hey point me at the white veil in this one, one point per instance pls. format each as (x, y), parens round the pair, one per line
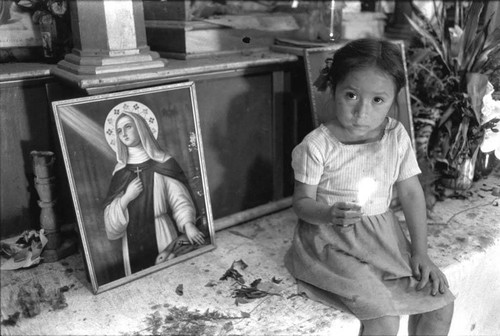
(149, 143)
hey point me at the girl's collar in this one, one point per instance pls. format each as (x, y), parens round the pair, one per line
(380, 137)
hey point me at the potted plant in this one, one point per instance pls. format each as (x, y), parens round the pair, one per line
(449, 73)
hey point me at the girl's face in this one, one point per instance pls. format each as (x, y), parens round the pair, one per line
(127, 132)
(362, 102)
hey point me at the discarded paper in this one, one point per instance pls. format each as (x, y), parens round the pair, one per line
(25, 251)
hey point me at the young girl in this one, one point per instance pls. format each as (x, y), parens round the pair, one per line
(351, 255)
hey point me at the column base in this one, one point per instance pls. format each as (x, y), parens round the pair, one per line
(98, 65)
(86, 72)
(68, 247)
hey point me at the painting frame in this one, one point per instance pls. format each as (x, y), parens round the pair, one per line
(17, 29)
(115, 254)
(315, 58)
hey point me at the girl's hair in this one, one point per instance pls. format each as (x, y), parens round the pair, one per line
(367, 53)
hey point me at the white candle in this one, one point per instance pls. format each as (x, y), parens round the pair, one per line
(366, 187)
(332, 18)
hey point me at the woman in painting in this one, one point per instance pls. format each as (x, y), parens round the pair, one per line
(149, 204)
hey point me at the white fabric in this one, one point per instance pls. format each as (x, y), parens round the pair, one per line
(167, 192)
(321, 159)
(137, 155)
(489, 111)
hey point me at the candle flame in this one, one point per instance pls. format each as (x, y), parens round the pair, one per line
(332, 13)
(366, 187)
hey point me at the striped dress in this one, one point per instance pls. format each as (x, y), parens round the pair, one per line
(364, 270)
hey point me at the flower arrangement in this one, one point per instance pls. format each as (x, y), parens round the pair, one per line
(52, 16)
(42, 8)
(449, 74)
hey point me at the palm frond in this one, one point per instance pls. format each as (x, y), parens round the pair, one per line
(476, 89)
(475, 47)
(440, 30)
(428, 37)
(493, 39)
(472, 22)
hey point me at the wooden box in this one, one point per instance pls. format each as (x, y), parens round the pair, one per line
(172, 31)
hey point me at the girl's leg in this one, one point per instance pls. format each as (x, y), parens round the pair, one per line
(386, 325)
(436, 322)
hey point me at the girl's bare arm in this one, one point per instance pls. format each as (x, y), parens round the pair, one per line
(412, 199)
(307, 208)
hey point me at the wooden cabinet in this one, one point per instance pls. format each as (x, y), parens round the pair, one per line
(25, 126)
(247, 118)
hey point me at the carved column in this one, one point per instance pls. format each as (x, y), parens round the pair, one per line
(109, 38)
(58, 246)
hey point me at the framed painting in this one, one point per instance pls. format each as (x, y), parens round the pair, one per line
(16, 27)
(317, 58)
(137, 176)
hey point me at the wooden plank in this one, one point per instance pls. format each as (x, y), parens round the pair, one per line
(277, 126)
(251, 214)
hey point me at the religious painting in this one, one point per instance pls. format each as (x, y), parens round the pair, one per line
(137, 176)
(318, 58)
(16, 27)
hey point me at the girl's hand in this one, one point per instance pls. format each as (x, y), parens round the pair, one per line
(426, 271)
(194, 235)
(133, 190)
(345, 214)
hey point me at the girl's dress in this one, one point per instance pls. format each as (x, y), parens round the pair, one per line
(364, 269)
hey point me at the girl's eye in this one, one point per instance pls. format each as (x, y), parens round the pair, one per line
(378, 100)
(119, 131)
(351, 95)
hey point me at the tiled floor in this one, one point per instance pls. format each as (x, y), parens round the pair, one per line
(135, 306)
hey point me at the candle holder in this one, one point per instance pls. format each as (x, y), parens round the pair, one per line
(331, 20)
(321, 22)
(57, 246)
(336, 18)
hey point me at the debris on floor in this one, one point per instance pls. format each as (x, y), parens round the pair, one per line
(31, 299)
(182, 321)
(233, 273)
(25, 251)
(243, 293)
(11, 320)
(180, 290)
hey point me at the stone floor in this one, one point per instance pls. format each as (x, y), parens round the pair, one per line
(464, 239)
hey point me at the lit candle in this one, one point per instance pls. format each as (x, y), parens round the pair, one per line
(366, 187)
(332, 19)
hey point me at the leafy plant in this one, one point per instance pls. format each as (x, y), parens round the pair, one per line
(448, 78)
(44, 8)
